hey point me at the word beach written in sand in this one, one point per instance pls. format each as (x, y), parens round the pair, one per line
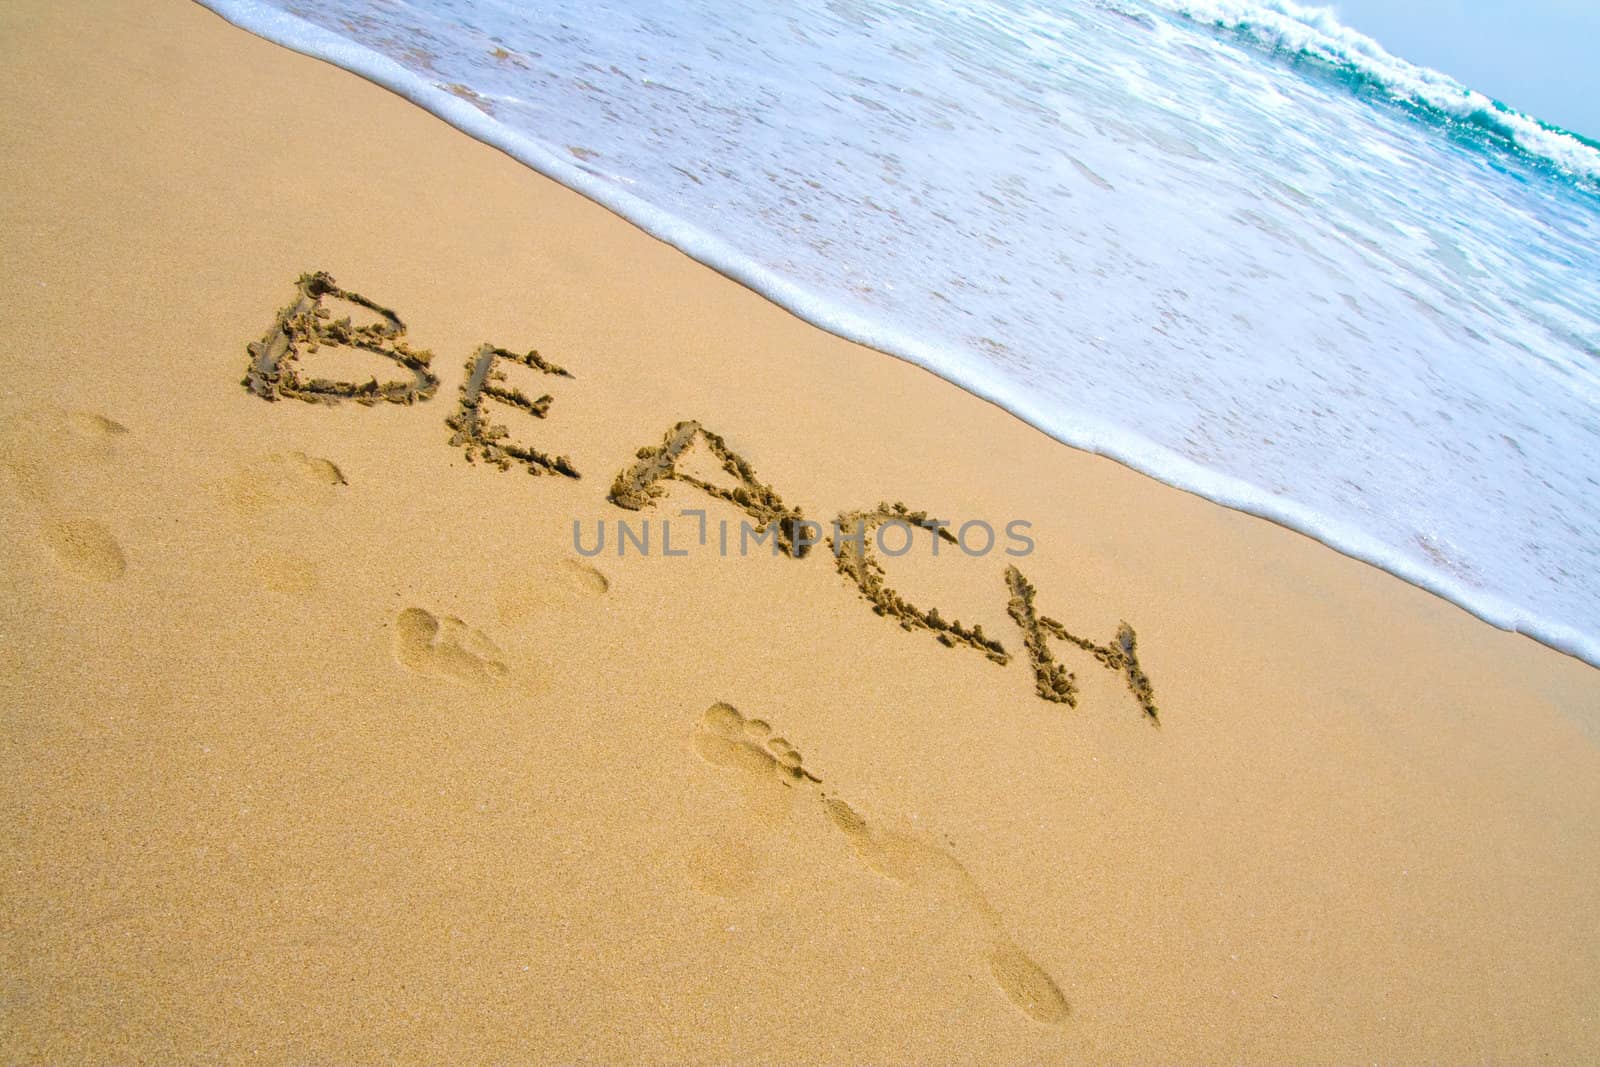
(308, 325)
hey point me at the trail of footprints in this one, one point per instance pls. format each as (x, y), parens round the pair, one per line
(43, 451)
(54, 457)
(774, 777)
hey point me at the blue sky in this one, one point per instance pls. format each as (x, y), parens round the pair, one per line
(1541, 57)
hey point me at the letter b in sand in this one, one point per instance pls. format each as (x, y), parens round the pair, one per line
(307, 325)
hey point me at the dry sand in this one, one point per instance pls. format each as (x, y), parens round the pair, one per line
(321, 744)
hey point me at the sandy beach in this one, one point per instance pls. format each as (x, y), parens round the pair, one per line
(326, 741)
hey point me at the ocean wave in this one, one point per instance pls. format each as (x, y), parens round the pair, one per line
(1315, 35)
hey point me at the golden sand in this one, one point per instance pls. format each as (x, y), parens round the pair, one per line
(322, 743)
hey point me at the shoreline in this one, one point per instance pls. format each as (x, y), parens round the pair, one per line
(1139, 454)
(322, 741)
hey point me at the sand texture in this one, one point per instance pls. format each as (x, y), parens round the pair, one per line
(322, 739)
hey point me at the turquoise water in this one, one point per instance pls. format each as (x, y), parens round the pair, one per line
(1235, 245)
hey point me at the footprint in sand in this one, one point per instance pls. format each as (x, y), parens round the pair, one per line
(728, 739)
(45, 449)
(906, 859)
(48, 453)
(567, 581)
(588, 579)
(772, 774)
(281, 480)
(85, 548)
(726, 864)
(446, 648)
